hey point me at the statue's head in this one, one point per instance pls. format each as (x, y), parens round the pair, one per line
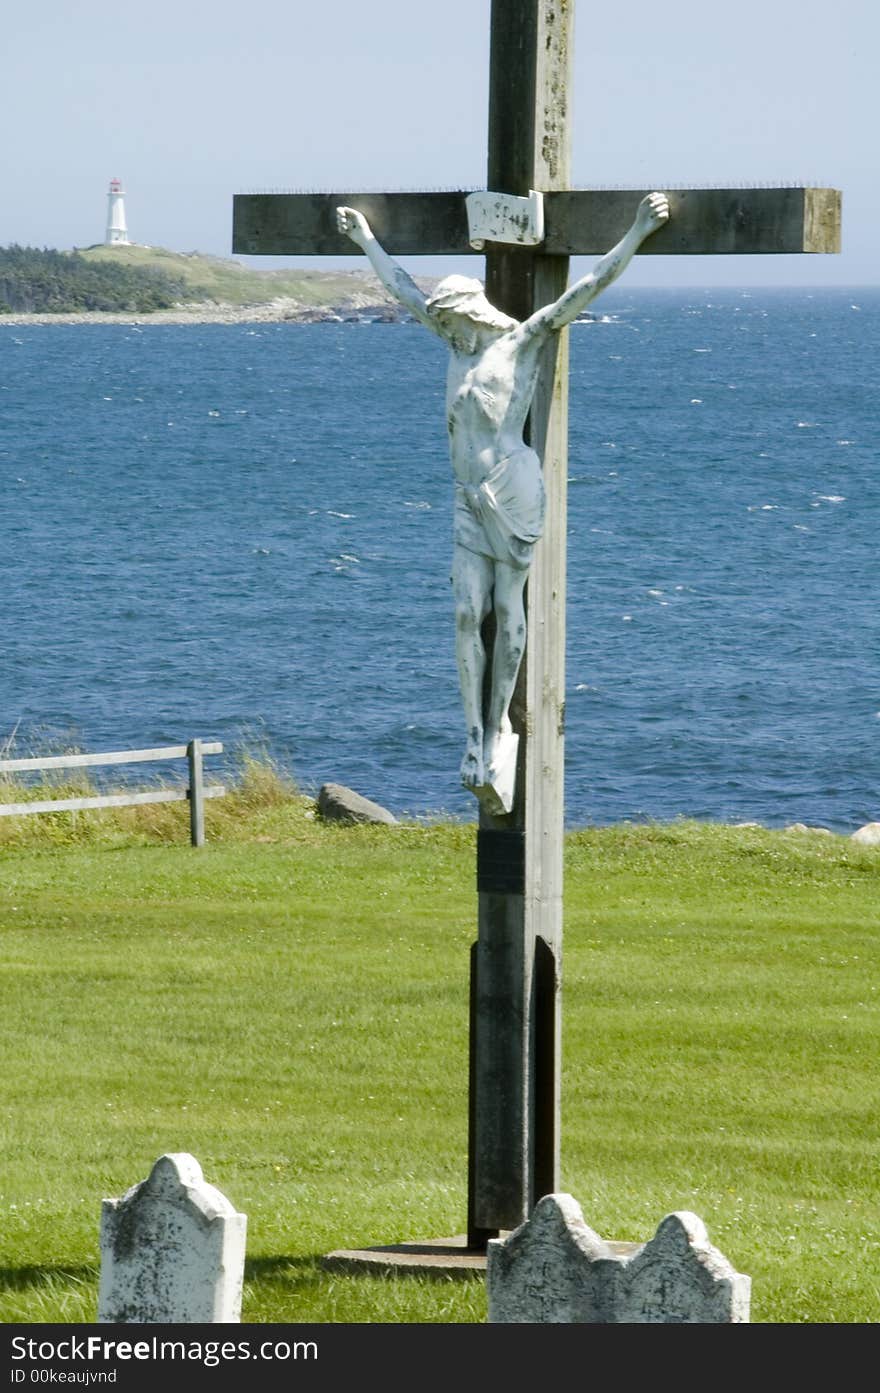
(464, 296)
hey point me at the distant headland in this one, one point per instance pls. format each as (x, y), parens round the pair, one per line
(132, 284)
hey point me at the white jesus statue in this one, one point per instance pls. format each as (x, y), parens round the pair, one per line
(499, 487)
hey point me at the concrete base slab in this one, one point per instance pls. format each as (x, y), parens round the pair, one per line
(435, 1257)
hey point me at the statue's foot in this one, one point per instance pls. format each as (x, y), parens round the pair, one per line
(472, 771)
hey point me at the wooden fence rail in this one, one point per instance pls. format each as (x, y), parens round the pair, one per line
(196, 792)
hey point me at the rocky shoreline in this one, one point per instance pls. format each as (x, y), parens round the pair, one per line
(279, 311)
(338, 803)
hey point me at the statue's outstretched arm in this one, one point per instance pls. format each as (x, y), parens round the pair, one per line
(653, 212)
(393, 277)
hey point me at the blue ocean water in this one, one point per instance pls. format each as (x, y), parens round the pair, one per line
(243, 532)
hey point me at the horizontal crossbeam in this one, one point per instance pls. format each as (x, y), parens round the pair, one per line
(578, 222)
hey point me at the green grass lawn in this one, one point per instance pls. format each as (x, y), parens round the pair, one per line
(289, 1005)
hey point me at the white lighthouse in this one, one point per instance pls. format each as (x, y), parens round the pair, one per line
(117, 232)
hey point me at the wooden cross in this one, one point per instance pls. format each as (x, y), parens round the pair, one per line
(515, 1030)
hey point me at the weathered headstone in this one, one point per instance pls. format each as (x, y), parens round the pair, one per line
(555, 1269)
(172, 1250)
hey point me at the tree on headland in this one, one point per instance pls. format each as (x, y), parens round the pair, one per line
(43, 281)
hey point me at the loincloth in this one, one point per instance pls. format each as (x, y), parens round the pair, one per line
(503, 516)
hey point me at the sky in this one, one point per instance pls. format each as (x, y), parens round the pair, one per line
(190, 102)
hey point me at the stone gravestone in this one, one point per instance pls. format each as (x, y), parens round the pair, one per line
(555, 1269)
(172, 1250)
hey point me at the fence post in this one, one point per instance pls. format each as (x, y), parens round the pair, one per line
(196, 793)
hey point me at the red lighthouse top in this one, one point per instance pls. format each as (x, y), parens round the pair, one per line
(115, 185)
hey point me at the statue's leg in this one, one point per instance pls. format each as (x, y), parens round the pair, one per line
(510, 642)
(472, 581)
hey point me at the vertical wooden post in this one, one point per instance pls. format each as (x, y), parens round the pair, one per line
(516, 962)
(196, 793)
